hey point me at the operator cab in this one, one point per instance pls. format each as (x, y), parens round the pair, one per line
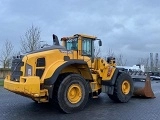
(83, 44)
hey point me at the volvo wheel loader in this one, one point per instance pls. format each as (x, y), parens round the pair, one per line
(68, 74)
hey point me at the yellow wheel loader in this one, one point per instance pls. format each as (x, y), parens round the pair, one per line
(67, 75)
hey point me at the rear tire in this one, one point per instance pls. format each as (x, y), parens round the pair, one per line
(71, 93)
(123, 89)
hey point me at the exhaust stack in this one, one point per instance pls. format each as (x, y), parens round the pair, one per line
(55, 40)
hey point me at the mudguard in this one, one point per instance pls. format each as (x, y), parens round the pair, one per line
(57, 68)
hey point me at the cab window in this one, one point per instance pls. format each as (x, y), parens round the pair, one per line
(72, 44)
(86, 46)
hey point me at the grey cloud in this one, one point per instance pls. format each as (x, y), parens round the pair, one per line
(127, 27)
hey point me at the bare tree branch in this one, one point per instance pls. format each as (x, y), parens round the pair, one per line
(31, 40)
(120, 61)
(6, 54)
(97, 52)
(145, 62)
(109, 53)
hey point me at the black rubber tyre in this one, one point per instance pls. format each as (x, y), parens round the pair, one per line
(36, 102)
(118, 94)
(61, 89)
(112, 97)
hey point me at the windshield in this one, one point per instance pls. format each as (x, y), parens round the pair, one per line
(72, 44)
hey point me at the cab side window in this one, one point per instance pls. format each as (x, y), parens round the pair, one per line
(86, 47)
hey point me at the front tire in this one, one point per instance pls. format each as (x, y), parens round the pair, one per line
(72, 93)
(123, 89)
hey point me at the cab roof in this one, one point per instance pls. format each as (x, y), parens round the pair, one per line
(87, 36)
(76, 35)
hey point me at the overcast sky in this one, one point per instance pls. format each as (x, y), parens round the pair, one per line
(128, 27)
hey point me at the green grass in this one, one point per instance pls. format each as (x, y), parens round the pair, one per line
(1, 82)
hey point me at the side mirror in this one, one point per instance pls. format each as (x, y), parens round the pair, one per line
(100, 43)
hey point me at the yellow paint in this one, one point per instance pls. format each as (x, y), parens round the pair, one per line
(125, 87)
(51, 69)
(30, 85)
(96, 85)
(23, 67)
(74, 93)
(87, 36)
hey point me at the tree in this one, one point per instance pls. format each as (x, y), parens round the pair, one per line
(120, 61)
(31, 40)
(145, 62)
(109, 53)
(97, 51)
(6, 54)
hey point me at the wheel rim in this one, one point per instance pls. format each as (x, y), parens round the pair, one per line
(74, 93)
(125, 87)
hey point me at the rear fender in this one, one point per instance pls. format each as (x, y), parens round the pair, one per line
(54, 71)
(51, 69)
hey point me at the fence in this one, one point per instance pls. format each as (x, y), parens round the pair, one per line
(4, 72)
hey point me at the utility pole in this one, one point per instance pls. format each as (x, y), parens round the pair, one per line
(151, 62)
(156, 62)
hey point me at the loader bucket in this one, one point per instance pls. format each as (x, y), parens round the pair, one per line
(143, 89)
